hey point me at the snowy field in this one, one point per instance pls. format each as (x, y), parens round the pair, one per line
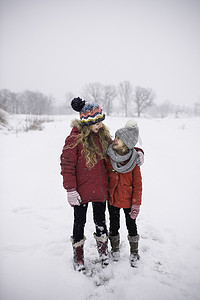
(36, 220)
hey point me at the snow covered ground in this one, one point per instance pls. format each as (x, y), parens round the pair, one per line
(36, 220)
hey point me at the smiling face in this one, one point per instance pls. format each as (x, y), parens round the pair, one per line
(95, 128)
(117, 144)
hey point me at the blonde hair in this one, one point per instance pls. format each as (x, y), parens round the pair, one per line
(90, 149)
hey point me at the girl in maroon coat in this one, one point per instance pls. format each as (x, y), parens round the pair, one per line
(125, 188)
(85, 176)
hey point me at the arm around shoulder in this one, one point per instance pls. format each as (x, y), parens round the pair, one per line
(137, 186)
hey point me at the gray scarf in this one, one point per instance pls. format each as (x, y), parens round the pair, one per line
(116, 160)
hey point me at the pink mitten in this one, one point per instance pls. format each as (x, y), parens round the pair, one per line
(135, 209)
(73, 197)
(140, 159)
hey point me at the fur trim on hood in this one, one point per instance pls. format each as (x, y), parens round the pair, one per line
(76, 123)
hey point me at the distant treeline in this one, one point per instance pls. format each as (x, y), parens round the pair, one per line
(123, 100)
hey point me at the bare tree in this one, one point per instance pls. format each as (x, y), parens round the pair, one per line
(143, 98)
(68, 99)
(5, 96)
(166, 108)
(197, 108)
(35, 102)
(109, 94)
(94, 92)
(125, 93)
(9, 101)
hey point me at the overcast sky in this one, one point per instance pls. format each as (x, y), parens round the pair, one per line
(58, 46)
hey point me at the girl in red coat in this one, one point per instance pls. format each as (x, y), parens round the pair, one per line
(125, 188)
(85, 176)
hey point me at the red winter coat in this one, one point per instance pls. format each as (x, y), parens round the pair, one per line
(124, 189)
(91, 184)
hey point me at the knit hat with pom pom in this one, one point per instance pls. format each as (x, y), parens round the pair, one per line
(90, 113)
(129, 134)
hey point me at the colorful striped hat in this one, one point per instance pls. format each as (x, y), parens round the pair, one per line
(90, 113)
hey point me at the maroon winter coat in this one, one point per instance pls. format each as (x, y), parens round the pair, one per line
(91, 184)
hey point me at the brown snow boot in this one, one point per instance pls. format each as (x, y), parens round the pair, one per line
(114, 241)
(134, 256)
(78, 261)
(102, 246)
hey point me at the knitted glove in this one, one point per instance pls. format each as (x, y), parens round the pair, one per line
(140, 159)
(135, 209)
(73, 197)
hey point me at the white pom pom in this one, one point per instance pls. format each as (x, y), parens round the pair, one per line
(131, 123)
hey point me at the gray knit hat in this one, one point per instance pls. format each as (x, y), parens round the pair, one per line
(129, 134)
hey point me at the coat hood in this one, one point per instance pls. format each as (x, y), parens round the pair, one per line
(76, 123)
(76, 126)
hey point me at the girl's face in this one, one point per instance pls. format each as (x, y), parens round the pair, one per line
(95, 128)
(117, 144)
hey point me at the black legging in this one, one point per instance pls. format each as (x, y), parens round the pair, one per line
(80, 219)
(114, 213)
